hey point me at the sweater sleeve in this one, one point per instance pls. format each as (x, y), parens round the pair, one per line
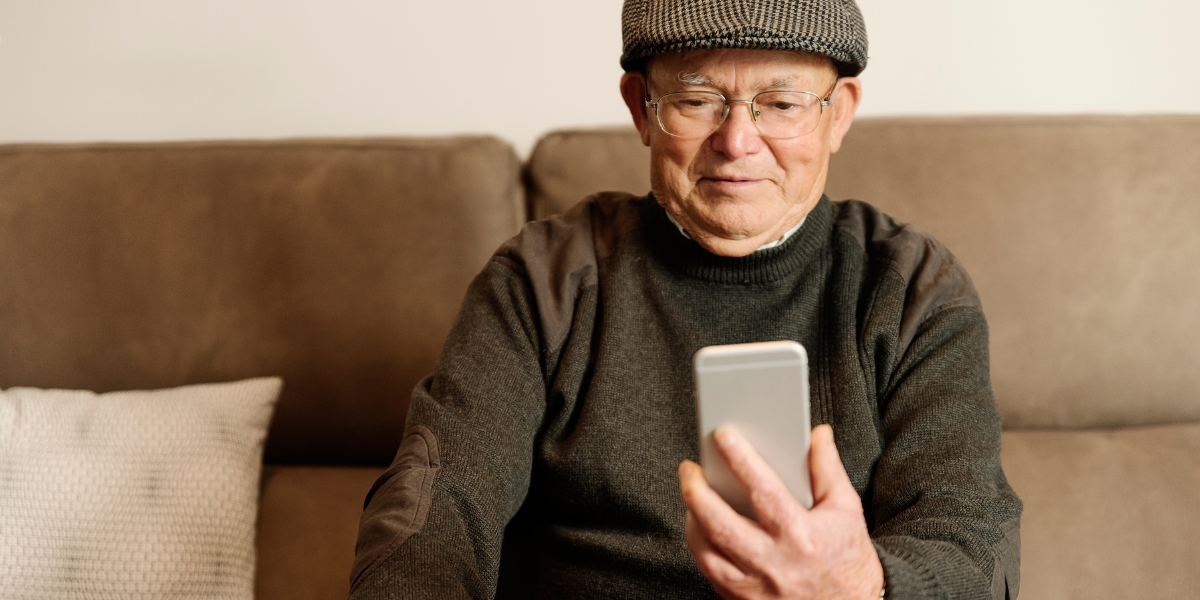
(943, 517)
(433, 524)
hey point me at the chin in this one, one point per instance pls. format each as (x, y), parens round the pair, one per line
(734, 222)
(740, 217)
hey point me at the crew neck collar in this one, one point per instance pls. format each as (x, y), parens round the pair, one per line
(761, 266)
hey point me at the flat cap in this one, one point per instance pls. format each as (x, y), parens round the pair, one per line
(833, 28)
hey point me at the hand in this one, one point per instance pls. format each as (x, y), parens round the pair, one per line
(791, 552)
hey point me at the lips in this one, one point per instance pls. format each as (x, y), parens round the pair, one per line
(730, 180)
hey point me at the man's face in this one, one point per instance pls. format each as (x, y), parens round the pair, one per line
(736, 189)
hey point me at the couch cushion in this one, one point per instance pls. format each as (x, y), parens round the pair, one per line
(337, 265)
(307, 527)
(567, 165)
(138, 495)
(1081, 234)
(1109, 514)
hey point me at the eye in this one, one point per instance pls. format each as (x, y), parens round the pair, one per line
(694, 102)
(784, 105)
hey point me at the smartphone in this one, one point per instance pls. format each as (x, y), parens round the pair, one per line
(761, 390)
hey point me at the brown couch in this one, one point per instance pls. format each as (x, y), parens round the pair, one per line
(339, 264)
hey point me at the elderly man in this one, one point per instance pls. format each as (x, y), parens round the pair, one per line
(550, 453)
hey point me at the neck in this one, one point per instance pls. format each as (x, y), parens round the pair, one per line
(722, 244)
(783, 238)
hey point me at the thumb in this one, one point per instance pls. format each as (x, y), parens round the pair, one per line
(829, 479)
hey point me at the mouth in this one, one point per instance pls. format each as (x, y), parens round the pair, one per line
(729, 181)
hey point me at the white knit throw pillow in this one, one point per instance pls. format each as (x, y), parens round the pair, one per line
(131, 495)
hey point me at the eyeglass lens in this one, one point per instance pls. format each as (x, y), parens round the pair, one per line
(777, 114)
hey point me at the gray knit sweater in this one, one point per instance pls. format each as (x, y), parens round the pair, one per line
(540, 457)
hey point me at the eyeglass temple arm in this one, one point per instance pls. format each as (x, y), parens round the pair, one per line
(828, 95)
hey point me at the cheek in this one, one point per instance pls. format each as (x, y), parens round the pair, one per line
(670, 173)
(803, 161)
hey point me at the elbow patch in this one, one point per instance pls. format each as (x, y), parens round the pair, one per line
(398, 503)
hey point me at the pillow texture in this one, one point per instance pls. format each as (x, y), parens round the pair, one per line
(132, 495)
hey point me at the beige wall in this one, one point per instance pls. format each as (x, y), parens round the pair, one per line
(184, 69)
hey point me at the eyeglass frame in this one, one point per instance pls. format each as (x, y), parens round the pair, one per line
(749, 106)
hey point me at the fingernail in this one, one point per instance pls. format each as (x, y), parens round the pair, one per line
(723, 437)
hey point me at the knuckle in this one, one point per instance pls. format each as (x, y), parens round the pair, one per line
(768, 495)
(799, 537)
(776, 510)
(723, 536)
(711, 565)
(689, 495)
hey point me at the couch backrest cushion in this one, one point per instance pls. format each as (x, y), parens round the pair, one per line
(1082, 235)
(337, 265)
(567, 165)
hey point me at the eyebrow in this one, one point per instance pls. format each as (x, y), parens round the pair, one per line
(782, 82)
(690, 78)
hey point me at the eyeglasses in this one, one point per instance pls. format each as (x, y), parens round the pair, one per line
(777, 114)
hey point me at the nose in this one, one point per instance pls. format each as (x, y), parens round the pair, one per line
(738, 134)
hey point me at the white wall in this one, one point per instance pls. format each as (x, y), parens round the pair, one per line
(79, 70)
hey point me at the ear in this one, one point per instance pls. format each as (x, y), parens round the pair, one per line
(845, 103)
(633, 90)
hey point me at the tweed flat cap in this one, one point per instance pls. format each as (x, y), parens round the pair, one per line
(834, 28)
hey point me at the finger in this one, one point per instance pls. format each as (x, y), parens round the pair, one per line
(733, 535)
(715, 566)
(830, 482)
(773, 502)
(702, 501)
